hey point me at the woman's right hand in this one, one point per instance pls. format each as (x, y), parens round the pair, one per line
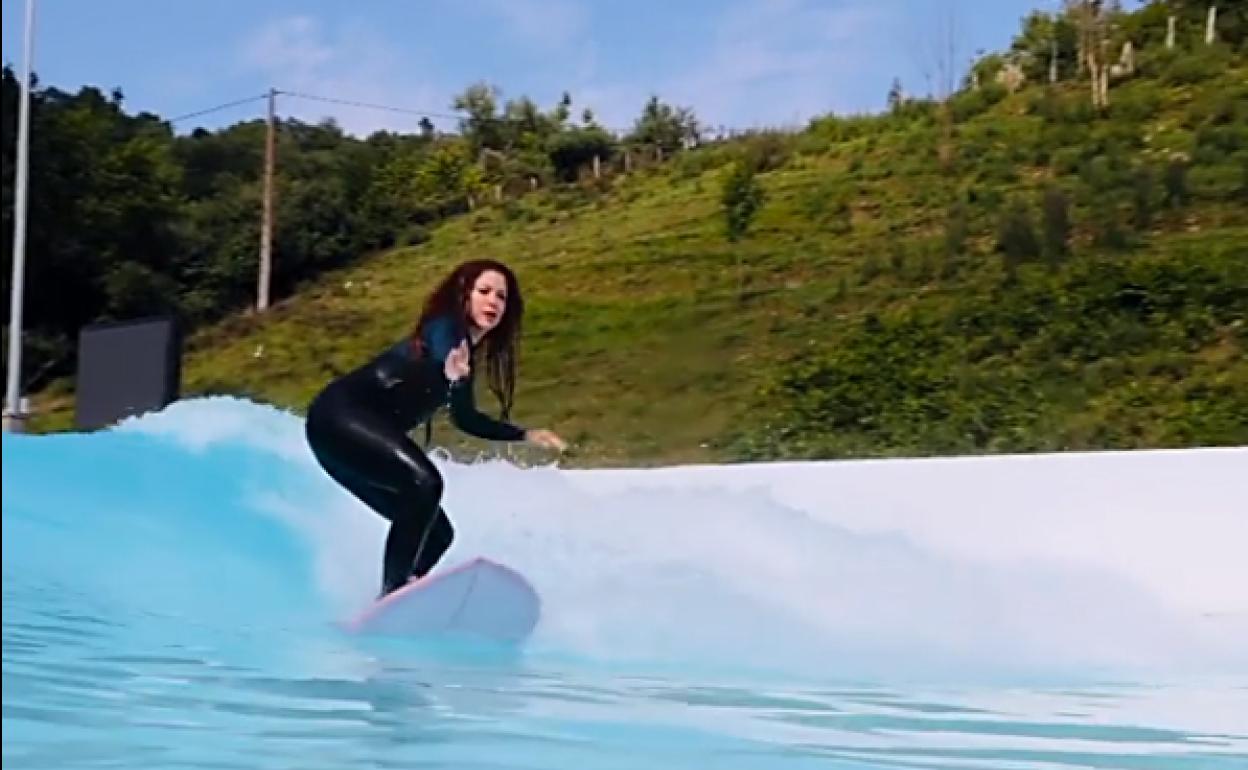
(458, 363)
(545, 438)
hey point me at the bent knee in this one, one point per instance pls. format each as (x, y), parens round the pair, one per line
(426, 481)
(446, 532)
(432, 486)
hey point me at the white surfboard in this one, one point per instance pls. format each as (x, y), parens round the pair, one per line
(480, 597)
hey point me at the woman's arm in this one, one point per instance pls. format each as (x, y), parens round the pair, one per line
(439, 339)
(469, 419)
(452, 353)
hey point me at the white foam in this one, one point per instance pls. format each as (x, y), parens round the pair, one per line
(196, 424)
(1094, 561)
(1172, 521)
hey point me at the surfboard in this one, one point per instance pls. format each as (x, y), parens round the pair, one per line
(479, 597)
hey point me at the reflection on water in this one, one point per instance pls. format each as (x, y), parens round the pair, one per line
(80, 691)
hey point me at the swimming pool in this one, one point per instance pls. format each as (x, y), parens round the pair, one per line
(172, 588)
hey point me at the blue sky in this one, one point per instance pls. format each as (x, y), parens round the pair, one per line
(737, 63)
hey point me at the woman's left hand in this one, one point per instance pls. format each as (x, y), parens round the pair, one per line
(458, 363)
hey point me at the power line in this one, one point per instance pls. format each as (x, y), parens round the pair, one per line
(409, 111)
(388, 108)
(227, 105)
(503, 119)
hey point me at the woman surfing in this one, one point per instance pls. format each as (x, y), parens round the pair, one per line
(358, 425)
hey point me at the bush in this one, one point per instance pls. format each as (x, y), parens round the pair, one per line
(1176, 183)
(1215, 142)
(1046, 103)
(998, 170)
(827, 204)
(1104, 173)
(1067, 160)
(1196, 65)
(1215, 183)
(837, 130)
(1056, 225)
(571, 150)
(1115, 137)
(997, 376)
(1016, 237)
(956, 229)
(1108, 232)
(695, 163)
(809, 143)
(1144, 197)
(413, 235)
(968, 104)
(919, 112)
(1243, 177)
(741, 198)
(1168, 142)
(765, 151)
(1135, 104)
(1220, 107)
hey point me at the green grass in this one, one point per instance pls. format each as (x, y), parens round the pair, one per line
(651, 339)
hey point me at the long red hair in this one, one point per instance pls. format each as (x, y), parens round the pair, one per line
(501, 344)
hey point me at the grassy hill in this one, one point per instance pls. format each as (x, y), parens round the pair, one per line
(907, 287)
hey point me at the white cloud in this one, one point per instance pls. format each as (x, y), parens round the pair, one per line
(354, 64)
(783, 61)
(771, 63)
(545, 24)
(292, 47)
(615, 105)
(556, 35)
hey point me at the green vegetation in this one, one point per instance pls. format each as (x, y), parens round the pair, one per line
(1012, 270)
(1105, 354)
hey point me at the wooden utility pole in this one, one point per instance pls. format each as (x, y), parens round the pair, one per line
(266, 216)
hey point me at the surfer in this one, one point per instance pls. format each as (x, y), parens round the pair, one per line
(358, 425)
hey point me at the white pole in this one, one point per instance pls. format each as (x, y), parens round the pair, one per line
(14, 413)
(266, 214)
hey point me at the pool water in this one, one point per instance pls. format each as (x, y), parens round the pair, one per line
(172, 592)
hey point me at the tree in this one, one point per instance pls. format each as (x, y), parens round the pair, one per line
(1047, 41)
(935, 48)
(448, 179)
(896, 96)
(482, 126)
(572, 149)
(741, 199)
(1091, 23)
(666, 127)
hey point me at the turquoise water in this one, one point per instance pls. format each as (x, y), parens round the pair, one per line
(172, 590)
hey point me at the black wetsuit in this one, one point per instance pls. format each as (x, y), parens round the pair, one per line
(358, 430)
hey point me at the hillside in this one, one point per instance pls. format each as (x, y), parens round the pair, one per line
(1007, 272)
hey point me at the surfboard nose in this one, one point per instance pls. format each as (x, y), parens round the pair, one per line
(479, 597)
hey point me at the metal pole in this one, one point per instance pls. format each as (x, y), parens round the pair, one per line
(14, 411)
(266, 216)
